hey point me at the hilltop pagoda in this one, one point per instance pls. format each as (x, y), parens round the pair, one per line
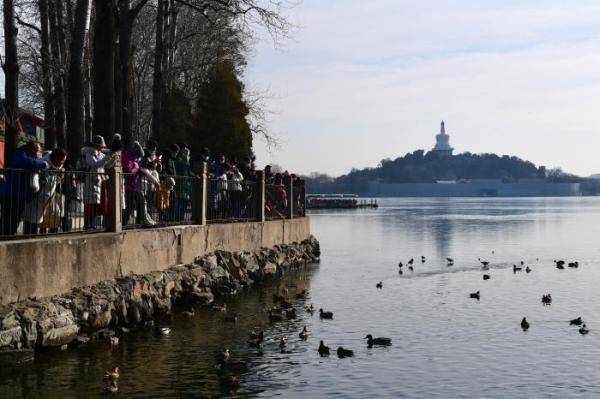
(442, 142)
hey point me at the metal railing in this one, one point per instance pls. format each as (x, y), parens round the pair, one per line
(51, 202)
(231, 200)
(35, 203)
(156, 201)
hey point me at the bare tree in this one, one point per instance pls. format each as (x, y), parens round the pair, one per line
(11, 81)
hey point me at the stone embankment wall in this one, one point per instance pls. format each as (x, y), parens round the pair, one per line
(49, 266)
(98, 310)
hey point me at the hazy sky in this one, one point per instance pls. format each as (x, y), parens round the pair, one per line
(365, 80)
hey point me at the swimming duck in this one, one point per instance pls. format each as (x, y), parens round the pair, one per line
(547, 299)
(574, 264)
(474, 295)
(323, 349)
(112, 387)
(114, 342)
(411, 268)
(517, 268)
(219, 308)
(450, 260)
(304, 333)
(230, 382)
(484, 263)
(411, 261)
(342, 353)
(222, 356)
(233, 367)
(325, 315)
(256, 333)
(381, 341)
(400, 272)
(114, 374)
(165, 330)
(486, 276)
(527, 269)
(522, 263)
(560, 264)
(256, 339)
(576, 322)
(583, 330)
(310, 308)
(400, 265)
(283, 343)
(379, 285)
(290, 314)
(231, 318)
(275, 316)
(524, 324)
(422, 259)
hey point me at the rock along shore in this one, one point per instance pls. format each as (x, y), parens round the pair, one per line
(97, 311)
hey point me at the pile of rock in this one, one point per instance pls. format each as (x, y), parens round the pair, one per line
(98, 310)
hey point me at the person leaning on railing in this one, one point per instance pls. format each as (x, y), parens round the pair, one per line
(234, 188)
(45, 208)
(135, 199)
(20, 185)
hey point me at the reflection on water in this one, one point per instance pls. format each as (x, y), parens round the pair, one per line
(445, 344)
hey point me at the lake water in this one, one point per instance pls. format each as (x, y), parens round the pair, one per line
(445, 344)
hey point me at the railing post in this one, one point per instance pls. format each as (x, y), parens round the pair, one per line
(260, 195)
(113, 219)
(289, 193)
(199, 190)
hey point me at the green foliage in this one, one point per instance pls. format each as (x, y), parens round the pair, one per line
(220, 118)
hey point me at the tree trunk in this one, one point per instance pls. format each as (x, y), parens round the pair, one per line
(59, 83)
(158, 81)
(104, 68)
(87, 104)
(49, 129)
(11, 82)
(75, 121)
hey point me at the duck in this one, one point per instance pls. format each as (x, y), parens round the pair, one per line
(114, 374)
(310, 308)
(188, 313)
(450, 260)
(256, 333)
(275, 316)
(400, 265)
(219, 308)
(165, 330)
(573, 264)
(560, 264)
(222, 356)
(522, 263)
(342, 352)
(527, 269)
(283, 343)
(486, 276)
(304, 333)
(325, 315)
(547, 299)
(524, 324)
(256, 339)
(485, 263)
(381, 341)
(302, 294)
(231, 318)
(400, 272)
(411, 261)
(114, 342)
(576, 322)
(290, 314)
(517, 268)
(112, 387)
(323, 349)
(474, 295)
(379, 285)
(583, 330)
(233, 367)
(230, 381)
(411, 268)
(422, 259)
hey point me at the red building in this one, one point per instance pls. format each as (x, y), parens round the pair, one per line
(30, 128)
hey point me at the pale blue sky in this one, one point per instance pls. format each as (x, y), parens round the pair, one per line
(365, 80)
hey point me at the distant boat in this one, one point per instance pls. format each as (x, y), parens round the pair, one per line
(338, 201)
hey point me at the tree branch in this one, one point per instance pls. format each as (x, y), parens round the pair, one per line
(28, 25)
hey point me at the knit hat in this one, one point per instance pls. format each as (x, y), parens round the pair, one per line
(98, 141)
(116, 144)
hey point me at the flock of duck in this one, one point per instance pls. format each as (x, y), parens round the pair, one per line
(485, 265)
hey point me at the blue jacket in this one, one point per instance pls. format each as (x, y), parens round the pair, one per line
(17, 182)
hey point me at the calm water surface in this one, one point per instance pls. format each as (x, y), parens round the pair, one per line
(445, 345)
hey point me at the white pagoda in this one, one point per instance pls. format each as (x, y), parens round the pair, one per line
(442, 142)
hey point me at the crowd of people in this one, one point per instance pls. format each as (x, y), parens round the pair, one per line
(44, 194)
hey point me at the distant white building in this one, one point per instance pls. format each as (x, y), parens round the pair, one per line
(442, 142)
